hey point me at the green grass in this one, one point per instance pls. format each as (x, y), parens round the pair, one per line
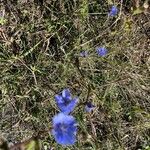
(39, 56)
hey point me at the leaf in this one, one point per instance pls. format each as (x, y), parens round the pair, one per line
(3, 144)
(31, 144)
(137, 11)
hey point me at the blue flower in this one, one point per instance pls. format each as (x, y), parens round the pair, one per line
(89, 107)
(64, 129)
(65, 102)
(113, 11)
(84, 54)
(101, 51)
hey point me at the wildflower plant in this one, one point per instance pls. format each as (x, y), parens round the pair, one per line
(84, 53)
(40, 43)
(65, 102)
(64, 125)
(101, 51)
(64, 129)
(89, 107)
(114, 11)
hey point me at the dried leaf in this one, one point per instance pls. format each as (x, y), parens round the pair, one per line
(3, 144)
(31, 144)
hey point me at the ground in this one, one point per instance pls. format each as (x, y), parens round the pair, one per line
(40, 45)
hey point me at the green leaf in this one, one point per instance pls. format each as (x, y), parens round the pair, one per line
(33, 145)
(137, 11)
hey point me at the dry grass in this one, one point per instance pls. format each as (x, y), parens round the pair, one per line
(40, 44)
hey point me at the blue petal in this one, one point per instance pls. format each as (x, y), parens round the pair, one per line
(89, 107)
(70, 107)
(59, 99)
(67, 136)
(61, 117)
(101, 51)
(58, 118)
(66, 139)
(73, 128)
(62, 107)
(113, 11)
(84, 54)
(66, 94)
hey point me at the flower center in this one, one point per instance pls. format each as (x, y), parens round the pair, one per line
(63, 127)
